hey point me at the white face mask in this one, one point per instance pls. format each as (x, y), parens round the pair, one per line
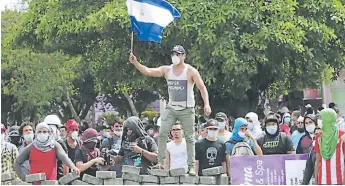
(310, 128)
(221, 125)
(74, 135)
(118, 132)
(241, 134)
(212, 133)
(42, 137)
(150, 132)
(250, 126)
(175, 60)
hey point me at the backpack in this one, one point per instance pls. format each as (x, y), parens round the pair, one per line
(242, 149)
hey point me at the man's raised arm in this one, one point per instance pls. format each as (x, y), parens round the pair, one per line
(153, 72)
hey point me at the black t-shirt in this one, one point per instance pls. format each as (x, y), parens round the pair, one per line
(71, 151)
(134, 159)
(280, 144)
(81, 155)
(209, 154)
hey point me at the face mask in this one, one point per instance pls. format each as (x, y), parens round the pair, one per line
(42, 137)
(271, 129)
(175, 60)
(106, 135)
(90, 145)
(150, 132)
(15, 140)
(287, 120)
(28, 137)
(241, 134)
(212, 133)
(118, 132)
(74, 135)
(221, 125)
(310, 128)
(300, 130)
(250, 126)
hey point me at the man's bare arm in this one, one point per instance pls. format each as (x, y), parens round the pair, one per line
(196, 166)
(201, 86)
(153, 72)
(167, 160)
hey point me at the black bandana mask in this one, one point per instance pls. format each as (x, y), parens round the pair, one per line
(300, 130)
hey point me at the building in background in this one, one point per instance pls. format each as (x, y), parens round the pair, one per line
(335, 92)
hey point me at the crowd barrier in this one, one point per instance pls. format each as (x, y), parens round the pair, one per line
(245, 170)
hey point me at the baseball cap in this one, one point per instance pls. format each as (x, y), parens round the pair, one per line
(211, 123)
(179, 49)
(221, 115)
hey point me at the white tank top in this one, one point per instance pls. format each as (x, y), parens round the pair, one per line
(181, 93)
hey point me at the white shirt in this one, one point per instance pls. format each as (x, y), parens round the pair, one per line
(178, 155)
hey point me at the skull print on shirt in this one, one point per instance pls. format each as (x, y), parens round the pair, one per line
(211, 154)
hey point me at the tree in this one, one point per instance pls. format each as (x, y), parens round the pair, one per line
(242, 49)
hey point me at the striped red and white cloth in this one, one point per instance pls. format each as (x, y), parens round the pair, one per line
(331, 171)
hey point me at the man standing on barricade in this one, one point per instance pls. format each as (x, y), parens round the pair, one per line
(181, 78)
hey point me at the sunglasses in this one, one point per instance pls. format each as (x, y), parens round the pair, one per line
(175, 129)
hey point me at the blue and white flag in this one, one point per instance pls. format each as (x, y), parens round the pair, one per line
(150, 17)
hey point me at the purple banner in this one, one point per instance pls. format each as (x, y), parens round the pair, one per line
(268, 169)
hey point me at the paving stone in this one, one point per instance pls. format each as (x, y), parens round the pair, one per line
(131, 169)
(189, 179)
(160, 172)
(19, 182)
(50, 182)
(147, 183)
(131, 177)
(92, 180)
(35, 177)
(7, 176)
(214, 171)
(187, 183)
(79, 182)
(106, 174)
(128, 182)
(149, 179)
(207, 180)
(222, 180)
(68, 178)
(116, 181)
(177, 172)
(168, 180)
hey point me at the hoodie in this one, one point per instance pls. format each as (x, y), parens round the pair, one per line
(142, 139)
(284, 127)
(256, 128)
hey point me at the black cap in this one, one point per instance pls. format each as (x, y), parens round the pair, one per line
(221, 115)
(179, 49)
(211, 123)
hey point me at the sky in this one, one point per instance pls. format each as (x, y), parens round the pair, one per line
(11, 4)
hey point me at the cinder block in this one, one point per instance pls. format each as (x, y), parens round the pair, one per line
(78, 182)
(35, 177)
(131, 177)
(160, 172)
(68, 178)
(222, 180)
(189, 179)
(149, 179)
(214, 171)
(207, 180)
(131, 169)
(106, 174)
(177, 172)
(7, 176)
(187, 183)
(19, 182)
(147, 183)
(92, 180)
(116, 181)
(50, 182)
(128, 182)
(168, 180)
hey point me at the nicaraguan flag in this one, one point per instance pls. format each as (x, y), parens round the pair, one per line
(150, 17)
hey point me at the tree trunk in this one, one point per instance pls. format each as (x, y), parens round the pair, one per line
(131, 104)
(70, 106)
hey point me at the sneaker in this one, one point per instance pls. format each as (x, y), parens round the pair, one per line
(158, 166)
(191, 171)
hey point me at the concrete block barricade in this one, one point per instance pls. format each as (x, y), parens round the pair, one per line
(19, 182)
(7, 176)
(68, 178)
(147, 183)
(35, 177)
(116, 181)
(215, 171)
(50, 182)
(222, 180)
(92, 180)
(131, 177)
(149, 179)
(177, 172)
(169, 180)
(189, 179)
(207, 180)
(106, 174)
(128, 182)
(160, 172)
(131, 169)
(79, 182)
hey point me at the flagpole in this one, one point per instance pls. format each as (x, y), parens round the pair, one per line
(132, 43)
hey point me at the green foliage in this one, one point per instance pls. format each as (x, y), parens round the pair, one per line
(241, 48)
(149, 113)
(111, 117)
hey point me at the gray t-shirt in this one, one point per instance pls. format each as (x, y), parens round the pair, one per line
(26, 165)
(114, 144)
